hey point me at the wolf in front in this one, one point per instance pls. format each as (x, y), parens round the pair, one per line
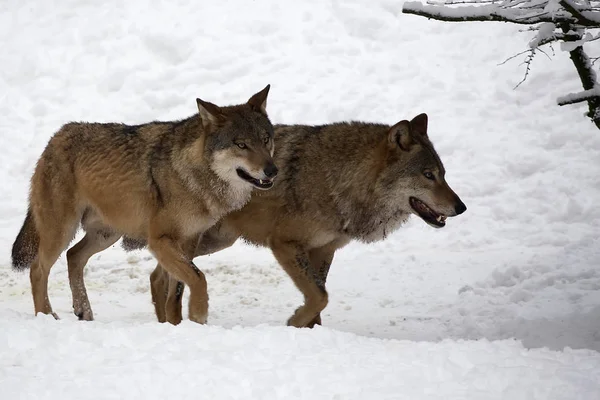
(337, 183)
(162, 182)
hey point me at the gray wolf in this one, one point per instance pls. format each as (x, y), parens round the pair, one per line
(161, 182)
(337, 183)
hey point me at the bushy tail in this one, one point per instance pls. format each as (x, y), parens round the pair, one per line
(26, 244)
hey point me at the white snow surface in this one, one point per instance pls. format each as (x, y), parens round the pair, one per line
(503, 303)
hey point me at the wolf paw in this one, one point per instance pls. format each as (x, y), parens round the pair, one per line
(315, 321)
(83, 314)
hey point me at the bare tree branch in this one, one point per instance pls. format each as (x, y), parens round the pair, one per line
(527, 62)
(515, 56)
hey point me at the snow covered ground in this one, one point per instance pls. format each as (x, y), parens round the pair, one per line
(503, 303)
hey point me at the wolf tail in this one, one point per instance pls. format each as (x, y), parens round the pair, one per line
(25, 247)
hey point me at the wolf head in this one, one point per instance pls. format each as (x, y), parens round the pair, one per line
(415, 175)
(239, 141)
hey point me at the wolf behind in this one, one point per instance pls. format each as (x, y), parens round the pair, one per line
(161, 182)
(337, 183)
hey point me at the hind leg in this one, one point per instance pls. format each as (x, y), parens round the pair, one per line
(167, 294)
(93, 242)
(173, 301)
(52, 242)
(38, 275)
(159, 286)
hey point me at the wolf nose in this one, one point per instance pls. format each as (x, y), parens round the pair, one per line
(460, 208)
(271, 170)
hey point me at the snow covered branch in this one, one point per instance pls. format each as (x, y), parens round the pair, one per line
(579, 97)
(517, 12)
(585, 18)
(491, 12)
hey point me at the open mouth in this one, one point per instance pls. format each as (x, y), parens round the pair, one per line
(263, 184)
(427, 214)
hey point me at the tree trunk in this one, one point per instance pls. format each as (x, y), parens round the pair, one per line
(586, 75)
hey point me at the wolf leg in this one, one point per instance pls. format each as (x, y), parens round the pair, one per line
(175, 288)
(52, 242)
(173, 300)
(210, 242)
(159, 285)
(179, 266)
(295, 260)
(38, 275)
(320, 260)
(167, 294)
(93, 242)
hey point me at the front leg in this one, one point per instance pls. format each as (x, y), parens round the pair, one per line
(179, 266)
(168, 293)
(295, 260)
(321, 259)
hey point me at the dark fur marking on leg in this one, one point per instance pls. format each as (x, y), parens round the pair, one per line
(178, 291)
(303, 263)
(196, 269)
(321, 277)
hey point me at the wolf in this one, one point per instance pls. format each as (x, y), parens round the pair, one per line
(337, 183)
(163, 183)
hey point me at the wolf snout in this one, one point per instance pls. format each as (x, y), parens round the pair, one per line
(270, 170)
(460, 207)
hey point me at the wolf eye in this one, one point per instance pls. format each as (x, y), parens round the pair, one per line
(429, 175)
(241, 145)
(266, 139)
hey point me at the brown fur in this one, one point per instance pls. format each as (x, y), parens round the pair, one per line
(337, 183)
(162, 183)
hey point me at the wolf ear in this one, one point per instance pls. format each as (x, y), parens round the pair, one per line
(258, 102)
(399, 135)
(210, 114)
(418, 125)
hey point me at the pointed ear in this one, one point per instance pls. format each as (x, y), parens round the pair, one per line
(209, 113)
(418, 125)
(258, 102)
(399, 135)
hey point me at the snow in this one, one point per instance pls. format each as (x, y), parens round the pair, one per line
(545, 31)
(504, 302)
(275, 362)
